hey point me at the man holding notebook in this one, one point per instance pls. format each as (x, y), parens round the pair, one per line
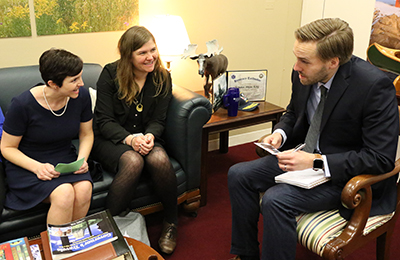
(345, 112)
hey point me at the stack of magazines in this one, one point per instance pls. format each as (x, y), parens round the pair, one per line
(93, 237)
(16, 249)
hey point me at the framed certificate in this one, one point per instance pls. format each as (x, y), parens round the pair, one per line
(252, 83)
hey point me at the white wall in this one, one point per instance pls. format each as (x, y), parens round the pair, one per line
(358, 13)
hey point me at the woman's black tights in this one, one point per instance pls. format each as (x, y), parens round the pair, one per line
(131, 165)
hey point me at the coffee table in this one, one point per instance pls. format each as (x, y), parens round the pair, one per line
(143, 251)
(221, 123)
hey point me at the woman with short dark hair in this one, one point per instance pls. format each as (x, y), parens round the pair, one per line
(39, 127)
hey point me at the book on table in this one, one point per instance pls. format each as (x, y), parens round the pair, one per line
(306, 179)
(16, 249)
(93, 237)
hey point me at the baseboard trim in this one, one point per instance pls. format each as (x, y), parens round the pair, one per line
(239, 139)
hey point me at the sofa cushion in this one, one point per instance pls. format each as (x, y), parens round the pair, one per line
(19, 79)
(315, 230)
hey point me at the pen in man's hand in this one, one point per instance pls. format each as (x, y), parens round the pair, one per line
(298, 147)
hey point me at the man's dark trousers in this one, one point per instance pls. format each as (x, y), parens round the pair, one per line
(281, 204)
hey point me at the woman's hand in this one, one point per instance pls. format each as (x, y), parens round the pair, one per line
(46, 172)
(143, 144)
(148, 145)
(83, 169)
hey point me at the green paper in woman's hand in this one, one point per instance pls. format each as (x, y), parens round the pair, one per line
(69, 167)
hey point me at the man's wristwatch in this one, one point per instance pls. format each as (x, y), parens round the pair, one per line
(318, 163)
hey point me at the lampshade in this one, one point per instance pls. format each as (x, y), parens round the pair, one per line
(170, 34)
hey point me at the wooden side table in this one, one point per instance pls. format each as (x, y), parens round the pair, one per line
(221, 123)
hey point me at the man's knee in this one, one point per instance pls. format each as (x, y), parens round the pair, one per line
(273, 199)
(235, 174)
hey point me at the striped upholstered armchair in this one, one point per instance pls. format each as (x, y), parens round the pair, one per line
(330, 236)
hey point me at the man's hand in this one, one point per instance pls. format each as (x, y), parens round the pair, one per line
(275, 140)
(295, 161)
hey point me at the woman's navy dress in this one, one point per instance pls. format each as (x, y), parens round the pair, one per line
(45, 138)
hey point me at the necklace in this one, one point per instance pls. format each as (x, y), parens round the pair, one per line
(51, 110)
(139, 105)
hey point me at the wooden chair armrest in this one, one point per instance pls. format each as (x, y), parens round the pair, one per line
(396, 83)
(357, 195)
(352, 192)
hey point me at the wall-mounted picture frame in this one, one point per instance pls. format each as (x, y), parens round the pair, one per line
(252, 83)
(54, 17)
(14, 18)
(84, 16)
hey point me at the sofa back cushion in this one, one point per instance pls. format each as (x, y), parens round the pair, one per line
(15, 80)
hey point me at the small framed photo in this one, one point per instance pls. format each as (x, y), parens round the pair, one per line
(252, 83)
(219, 89)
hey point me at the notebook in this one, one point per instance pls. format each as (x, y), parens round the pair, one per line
(306, 179)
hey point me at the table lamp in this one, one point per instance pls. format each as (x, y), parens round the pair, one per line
(171, 36)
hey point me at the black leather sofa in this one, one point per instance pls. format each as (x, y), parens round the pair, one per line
(187, 114)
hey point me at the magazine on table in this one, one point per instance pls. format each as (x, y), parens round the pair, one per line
(306, 179)
(81, 235)
(16, 249)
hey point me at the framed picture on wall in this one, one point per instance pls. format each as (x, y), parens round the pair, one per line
(252, 83)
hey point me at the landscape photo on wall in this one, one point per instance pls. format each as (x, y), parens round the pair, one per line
(83, 16)
(52, 17)
(14, 18)
(386, 24)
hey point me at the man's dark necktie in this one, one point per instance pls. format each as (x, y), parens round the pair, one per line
(313, 131)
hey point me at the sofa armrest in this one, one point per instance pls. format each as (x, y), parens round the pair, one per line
(2, 187)
(187, 114)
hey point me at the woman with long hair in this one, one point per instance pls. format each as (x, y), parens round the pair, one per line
(133, 94)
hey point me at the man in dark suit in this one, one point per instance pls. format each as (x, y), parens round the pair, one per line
(357, 134)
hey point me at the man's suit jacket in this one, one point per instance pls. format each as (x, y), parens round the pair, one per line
(359, 128)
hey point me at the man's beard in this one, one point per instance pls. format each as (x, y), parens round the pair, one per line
(320, 76)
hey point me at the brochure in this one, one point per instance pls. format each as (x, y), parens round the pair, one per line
(35, 249)
(69, 167)
(80, 235)
(268, 147)
(16, 249)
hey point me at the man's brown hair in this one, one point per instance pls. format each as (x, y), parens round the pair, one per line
(334, 38)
